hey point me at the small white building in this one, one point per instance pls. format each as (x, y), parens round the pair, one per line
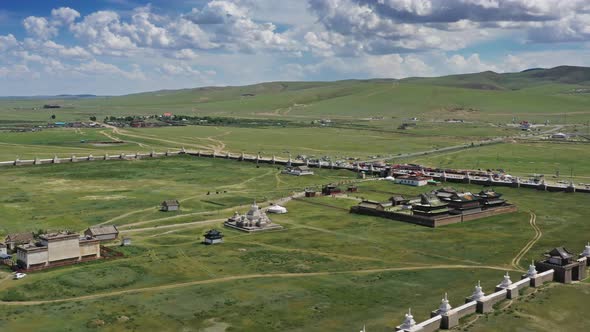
(413, 180)
(298, 171)
(277, 209)
(3, 249)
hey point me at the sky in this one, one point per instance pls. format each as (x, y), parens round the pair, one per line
(115, 47)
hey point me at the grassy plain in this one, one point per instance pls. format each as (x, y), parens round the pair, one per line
(329, 270)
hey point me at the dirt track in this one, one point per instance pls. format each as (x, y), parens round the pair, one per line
(245, 277)
(516, 260)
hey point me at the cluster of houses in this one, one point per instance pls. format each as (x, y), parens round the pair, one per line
(34, 252)
(440, 207)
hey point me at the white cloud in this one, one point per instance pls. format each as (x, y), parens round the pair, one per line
(185, 54)
(7, 42)
(98, 68)
(39, 27)
(64, 15)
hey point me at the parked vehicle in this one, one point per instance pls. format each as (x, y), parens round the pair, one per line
(18, 275)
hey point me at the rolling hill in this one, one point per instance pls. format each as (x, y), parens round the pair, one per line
(535, 94)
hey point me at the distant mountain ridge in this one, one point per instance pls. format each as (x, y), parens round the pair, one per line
(42, 97)
(490, 80)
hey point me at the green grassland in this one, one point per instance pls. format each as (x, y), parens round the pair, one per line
(521, 158)
(536, 96)
(78, 195)
(328, 270)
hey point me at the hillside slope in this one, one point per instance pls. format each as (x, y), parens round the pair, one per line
(511, 81)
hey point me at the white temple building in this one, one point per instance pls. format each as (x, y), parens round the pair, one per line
(254, 220)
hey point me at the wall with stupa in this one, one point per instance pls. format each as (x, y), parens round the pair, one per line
(484, 304)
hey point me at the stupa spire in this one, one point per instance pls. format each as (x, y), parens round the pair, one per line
(506, 282)
(532, 270)
(409, 321)
(478, 292)
(445, 306)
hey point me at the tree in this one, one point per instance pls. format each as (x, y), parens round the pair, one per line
(53, 116)
(93, 118)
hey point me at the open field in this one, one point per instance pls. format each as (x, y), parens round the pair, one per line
(521, 158)
(481, 97)
(329, 270)
(78, 195)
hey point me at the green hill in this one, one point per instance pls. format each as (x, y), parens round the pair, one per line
(536, 94)
(511, 81)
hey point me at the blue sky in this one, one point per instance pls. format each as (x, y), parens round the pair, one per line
(114, 47)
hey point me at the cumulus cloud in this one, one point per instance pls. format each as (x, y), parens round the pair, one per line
(391, 26)
(185, 54)
(7, 42)
(98, 68)
(39, 27)
(64, 15)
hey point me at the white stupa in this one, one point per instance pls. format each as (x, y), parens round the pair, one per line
(506, 282)
(586, 252)
(254, 220)
(364, 329)
(532, 271)
(478, 292)
(445, 306)
(409, 321)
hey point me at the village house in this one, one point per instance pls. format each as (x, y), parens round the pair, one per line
(331, 189)
(298, 171)
(213, 237)
(15, 239)
(170, 205)
(413, 180)
(103, 233)
(3, 249)
(309, 192)
(57, 249)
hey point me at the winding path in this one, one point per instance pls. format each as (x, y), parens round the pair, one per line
(245, 277)
(516, 260)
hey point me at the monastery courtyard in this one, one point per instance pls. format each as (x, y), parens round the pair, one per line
(288, 279)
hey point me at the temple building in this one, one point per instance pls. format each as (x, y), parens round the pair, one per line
(566, 267)
(463, 203)
(254, 220)
(213, 237)
(430, 206)
(57, 249)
